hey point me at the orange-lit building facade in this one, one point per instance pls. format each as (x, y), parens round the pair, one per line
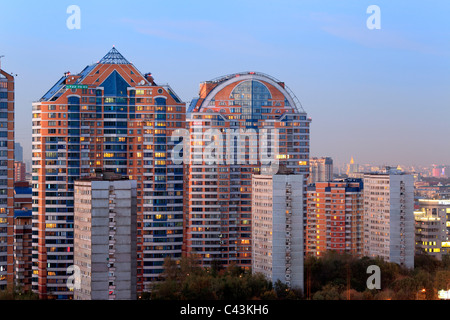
(240, 124)
(109, 116)
(335, 217)
(19, 171)
(6, 179)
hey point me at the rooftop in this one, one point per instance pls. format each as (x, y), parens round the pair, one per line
(22, 190)
(22, 213)
(114, 57)
(103, 175)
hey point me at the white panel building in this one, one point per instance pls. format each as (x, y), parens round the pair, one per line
(277, 227)
(105, 238)
(389, 216)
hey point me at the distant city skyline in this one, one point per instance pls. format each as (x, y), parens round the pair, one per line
(380, 96)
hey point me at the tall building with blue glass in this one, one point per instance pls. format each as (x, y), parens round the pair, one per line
(108, 116)
(240, 125)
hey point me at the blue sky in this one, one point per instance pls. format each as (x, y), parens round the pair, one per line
(381, 96)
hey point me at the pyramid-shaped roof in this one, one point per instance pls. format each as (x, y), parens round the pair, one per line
(115, 85)
(114, 57)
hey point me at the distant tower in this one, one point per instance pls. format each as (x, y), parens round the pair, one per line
(320, 169)
(352, 167)
(18, 152)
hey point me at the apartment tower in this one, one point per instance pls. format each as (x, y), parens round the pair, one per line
(19, 171)
(241, 124)
(335, 217)
(389, 216)
(433, 227)
(22, 235)
(22, 248)
(108, 116)
(105, 237)
(277, 227)
(6, 179)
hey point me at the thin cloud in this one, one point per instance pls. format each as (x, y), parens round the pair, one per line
(207, 34)
(355, 30)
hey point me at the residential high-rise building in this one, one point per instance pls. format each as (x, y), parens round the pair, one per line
(433, 227)
(277, 227)
(105, 237)
(429, 235)
(335, 217)
(108, 116)
(22, 195)
(23, 248)
(389, 216)
(22, 235)
(320, 169)
(6, 179)
(19, 171)
(240, 124)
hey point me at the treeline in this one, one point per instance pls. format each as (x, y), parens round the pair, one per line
(331, 277)
(186, 280)
(342, 276)
(17, 293)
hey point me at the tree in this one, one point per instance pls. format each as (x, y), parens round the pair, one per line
(442, 280)
(427, 263)
(199, 287)
(186, 279)
(328, 292)
(258, 284)
(18, 294)
(405, 288)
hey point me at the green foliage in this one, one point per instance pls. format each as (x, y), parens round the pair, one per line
(331, 277)
(328, 292)
(341, 276)
(17, 294)
(186, 280)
